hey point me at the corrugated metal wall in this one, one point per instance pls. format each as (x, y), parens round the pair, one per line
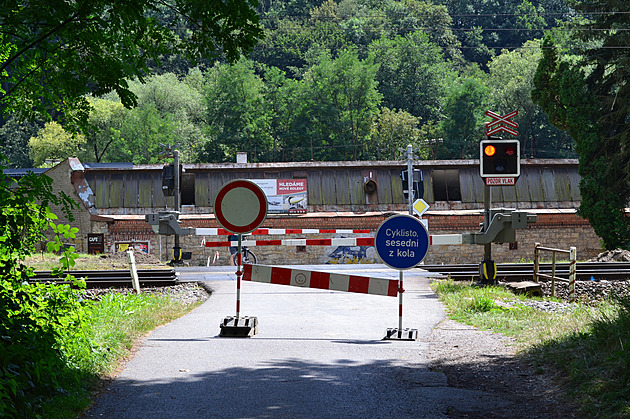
(338, 185)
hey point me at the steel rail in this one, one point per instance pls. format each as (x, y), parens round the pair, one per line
(519, 271)
(116, 278)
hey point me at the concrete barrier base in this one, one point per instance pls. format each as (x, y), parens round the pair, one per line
(401, 334)
(241, 327)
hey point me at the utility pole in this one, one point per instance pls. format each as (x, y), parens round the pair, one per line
(171, 187)
(487, 204)
(410, 178)
(177, 250)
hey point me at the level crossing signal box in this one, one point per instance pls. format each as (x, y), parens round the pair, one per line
(168, 180)
(500, 158)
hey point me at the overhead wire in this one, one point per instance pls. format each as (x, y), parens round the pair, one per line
(454, 28)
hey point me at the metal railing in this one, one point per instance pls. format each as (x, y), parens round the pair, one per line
(572, 262)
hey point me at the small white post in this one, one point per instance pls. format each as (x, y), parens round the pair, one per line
(572, 264)
(134, 273)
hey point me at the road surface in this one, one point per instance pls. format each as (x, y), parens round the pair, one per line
(317, 354)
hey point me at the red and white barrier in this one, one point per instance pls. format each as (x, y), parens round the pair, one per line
(347, 241)
(445, 239)
(272, 231)
(439, 239)
(320, 280)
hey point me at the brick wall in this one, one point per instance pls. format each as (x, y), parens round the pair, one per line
(61, 176)
(554, 228)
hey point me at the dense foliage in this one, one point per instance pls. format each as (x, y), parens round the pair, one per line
(319, 82)
(36, 321)
(589, 96)
(53, 52)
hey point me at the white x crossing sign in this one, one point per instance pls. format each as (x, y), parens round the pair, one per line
(499, 123)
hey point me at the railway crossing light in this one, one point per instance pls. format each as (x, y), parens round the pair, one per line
(418, 185)
(168, 180)
(500, 158)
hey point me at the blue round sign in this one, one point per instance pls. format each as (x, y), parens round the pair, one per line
(402, 241)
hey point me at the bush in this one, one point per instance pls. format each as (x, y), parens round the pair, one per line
(36, 320)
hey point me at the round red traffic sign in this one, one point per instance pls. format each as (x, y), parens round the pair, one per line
(240, 206)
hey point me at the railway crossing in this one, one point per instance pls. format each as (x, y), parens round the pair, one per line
(401, 241)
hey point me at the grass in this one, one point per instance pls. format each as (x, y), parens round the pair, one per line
(587, 347)
(112, 325)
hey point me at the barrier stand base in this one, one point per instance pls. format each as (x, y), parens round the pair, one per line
(401, 334)
(243, 327)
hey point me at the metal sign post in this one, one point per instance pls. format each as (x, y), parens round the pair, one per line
(484, 276)
(400, 299)
(402, 242)
(240, 207)
(239, 274)
(499, 123)
(410, 178)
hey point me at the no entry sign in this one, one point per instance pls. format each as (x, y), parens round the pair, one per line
(240, 206)
(402, 241)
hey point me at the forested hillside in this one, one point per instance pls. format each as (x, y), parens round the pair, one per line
(331, 80)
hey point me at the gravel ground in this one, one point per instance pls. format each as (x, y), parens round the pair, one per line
(475, 359)
(481, 360)
(187, 292)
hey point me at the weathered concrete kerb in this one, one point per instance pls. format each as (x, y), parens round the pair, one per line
(317, 354)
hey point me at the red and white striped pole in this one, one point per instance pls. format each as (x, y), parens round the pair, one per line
(400, 300)
(239, 273)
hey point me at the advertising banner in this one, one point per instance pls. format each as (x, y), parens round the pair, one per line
(284, 196)
(96, 243)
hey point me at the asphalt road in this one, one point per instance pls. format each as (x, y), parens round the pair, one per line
(317, 354)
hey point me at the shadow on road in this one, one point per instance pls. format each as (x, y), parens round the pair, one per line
(296, 388)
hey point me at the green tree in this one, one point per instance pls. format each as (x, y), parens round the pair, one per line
(510, 82)
(391, 131)
(406, 17)
(284, 103)
(169, 111)
(571, 100)
(142, 131)
(606, 67)
(54, 52)
(413, 74)
(339, 102)
(237, 113)
(178, 103)
(35, 319)
(462, 126)
(54, 143)
(14, 136)
(485, 27)
(105, 123)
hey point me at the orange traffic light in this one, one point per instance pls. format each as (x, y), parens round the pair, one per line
(489, 150)
(499, 158)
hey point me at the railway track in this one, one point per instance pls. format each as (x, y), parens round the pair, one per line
(119, 278)
(506, 272)
(513, 272)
